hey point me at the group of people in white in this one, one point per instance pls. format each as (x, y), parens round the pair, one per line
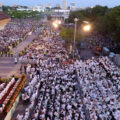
(14, 32)
(100, 81)
(52, 93)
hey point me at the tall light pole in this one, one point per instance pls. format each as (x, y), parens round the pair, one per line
(86, 28)
(75, 31)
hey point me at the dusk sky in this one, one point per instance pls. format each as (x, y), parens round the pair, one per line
(79, 3)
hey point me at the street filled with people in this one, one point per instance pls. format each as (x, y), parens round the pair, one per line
(97, 39)
(59, 88)
(100, 81)
(55, 96)
(14, 33)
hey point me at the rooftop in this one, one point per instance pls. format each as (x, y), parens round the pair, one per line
(3, 16)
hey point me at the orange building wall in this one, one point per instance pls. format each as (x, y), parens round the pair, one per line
(3, 23)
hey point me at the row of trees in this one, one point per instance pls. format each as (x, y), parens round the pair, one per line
(14, 13)
(11, 8)
(24, 14)
(105, 20)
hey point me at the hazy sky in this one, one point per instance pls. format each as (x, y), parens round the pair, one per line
(79, 3)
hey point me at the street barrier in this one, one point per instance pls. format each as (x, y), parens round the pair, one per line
(11, 112)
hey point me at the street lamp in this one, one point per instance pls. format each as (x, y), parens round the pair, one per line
(55, 25)
(87, 28)
(59, 22)
(75, 20)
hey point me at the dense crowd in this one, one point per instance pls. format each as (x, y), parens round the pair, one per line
(52, 92)
(14, 33)
(100, 81)
(100, 40)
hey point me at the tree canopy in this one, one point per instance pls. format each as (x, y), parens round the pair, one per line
(24, 14)
(104, 19)
(14, 13)
(68, 34)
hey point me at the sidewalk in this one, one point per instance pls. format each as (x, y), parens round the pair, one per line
(7, 66)
(23, 44)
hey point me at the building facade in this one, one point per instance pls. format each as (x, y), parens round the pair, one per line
(64, 5)
(72, 6)
(1, 7)
(60, 14)
(4, 19)
(39, 8)
(58, 5)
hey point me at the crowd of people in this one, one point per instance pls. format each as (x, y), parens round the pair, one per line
(100, 40)
(14, 33)
(100, 81)
(52, 89)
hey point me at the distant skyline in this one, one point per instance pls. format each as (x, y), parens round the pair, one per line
(79, 3)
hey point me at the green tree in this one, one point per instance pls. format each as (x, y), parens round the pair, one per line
(112, 19)
(98, 11)
(68, 34)
(63, 33)
(89, 14)
(76, 14)
(24, 14)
